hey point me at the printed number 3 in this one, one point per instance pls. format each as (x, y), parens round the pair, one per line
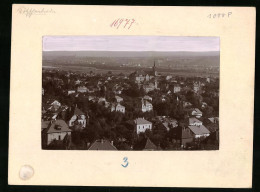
(125, 161)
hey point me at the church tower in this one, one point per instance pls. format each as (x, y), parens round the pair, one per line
(154, 69)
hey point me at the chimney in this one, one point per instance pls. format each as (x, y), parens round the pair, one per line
(112, 142)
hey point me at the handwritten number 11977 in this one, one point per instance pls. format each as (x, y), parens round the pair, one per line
(123, 23)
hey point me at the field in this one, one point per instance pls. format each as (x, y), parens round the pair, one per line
(180, 64)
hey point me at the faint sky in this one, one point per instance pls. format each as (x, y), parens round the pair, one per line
(130, 43)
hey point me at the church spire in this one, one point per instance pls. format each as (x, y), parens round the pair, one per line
(154, 69)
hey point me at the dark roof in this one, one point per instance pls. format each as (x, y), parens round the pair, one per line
(150, 145)
(186, 134)
(45, 124)
(57, 126)
(102, 145)
(77, 111)
(146, 144)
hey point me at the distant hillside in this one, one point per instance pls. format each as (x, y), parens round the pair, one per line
(49, 55)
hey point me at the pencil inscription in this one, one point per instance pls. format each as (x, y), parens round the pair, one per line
(28, 12)
(219, 15)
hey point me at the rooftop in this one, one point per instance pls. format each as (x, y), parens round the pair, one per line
(58, 126)
(199, 130)
(140, 121)
(193, 120)
(102, 145)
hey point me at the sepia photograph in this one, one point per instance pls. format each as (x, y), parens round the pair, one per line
(132, 93)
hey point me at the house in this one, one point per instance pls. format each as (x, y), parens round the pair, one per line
(146, 145)
(186, 137)
(91, 98)
(204, 105)
(142, 125)
(146, 97)
(77, 117)
(168, 122)
(196, 87)
(53, 102)
(146, 106)
(212, 124)
(101, 100)
(71, 92)
(196, 112)
(117, 107)
(186, 104)
(118, 99)
(199, 131)
(45, 124)
(56, 130)
(163, 98)
(77, 82)
(168, 77)
(194, 122)
(213, 119)
(103, 145)
(141, 76)
(82, 89)
(176, 88)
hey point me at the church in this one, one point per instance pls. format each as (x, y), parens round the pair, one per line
(141, 75)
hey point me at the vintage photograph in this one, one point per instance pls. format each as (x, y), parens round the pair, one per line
(139, 93)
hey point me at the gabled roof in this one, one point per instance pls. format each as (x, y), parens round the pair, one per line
(58, 126)
(199, 130)
(117, 97)
(141, 121)
(193, 120)
(102, 145)
(213, 119)
(149, 145)
(77, 111)
(197, 110)
(147, 97)
(146, 145)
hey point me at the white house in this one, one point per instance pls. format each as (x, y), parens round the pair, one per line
(118, 99)
(77, 82)
(146, 97)
(194, 121)
(142, 125)
(102, 99)
(71, 92)
(79, 117)
(57, 130)
(168, 77)
(146, 106)
(176, 89)
(117, 107)
(199, 131)
(196, 87)
(196, 112)
(82, 89)
(54, 103)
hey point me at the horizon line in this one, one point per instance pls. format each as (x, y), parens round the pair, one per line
(122, 51)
